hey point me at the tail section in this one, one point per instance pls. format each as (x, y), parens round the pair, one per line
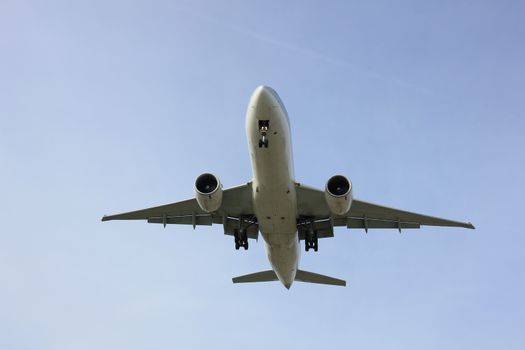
(301, 276)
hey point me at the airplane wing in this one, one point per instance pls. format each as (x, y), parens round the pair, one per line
(236, 202)
(312, 206)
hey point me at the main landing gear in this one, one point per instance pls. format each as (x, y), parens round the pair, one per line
(308, 231)
(264, 125)
(241, 239)
(311, 241)
(241, 232)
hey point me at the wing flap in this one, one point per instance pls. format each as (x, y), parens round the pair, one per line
(372, 223)
(200, 220)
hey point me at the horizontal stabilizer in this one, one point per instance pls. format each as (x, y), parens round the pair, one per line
(263, 276)
(310, 277)
(301, 276)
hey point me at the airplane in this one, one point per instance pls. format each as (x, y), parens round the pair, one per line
(284, 211)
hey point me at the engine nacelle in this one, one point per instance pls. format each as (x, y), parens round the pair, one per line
(208, 191)
(338, 194)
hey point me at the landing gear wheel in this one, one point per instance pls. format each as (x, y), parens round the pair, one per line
(241, 239)
(263, 142)
(311, 241)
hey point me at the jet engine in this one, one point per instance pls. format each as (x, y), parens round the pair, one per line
(338, 194)
(208, 191)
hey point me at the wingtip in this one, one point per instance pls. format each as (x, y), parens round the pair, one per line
(469, 225)
(104, 218)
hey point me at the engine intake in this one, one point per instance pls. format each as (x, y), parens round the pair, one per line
(208, 192)
(338, 194)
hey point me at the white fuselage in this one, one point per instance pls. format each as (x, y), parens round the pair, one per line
(274, 197)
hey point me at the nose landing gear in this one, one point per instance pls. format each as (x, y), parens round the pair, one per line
(264, 126)
(263, 141)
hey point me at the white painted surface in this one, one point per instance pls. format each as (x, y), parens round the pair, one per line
(274, 197)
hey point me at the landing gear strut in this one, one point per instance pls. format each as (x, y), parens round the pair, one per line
(241, 232)
(311, 241)
(241, 239)
(264, 125)
(263, 141)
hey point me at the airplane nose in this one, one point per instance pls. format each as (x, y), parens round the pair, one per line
(263, 97)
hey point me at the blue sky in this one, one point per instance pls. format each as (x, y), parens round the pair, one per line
(108, 106)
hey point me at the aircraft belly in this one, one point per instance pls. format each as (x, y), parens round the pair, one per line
(276, 213)
(276, 210)
(274, 197)
(283, 253)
